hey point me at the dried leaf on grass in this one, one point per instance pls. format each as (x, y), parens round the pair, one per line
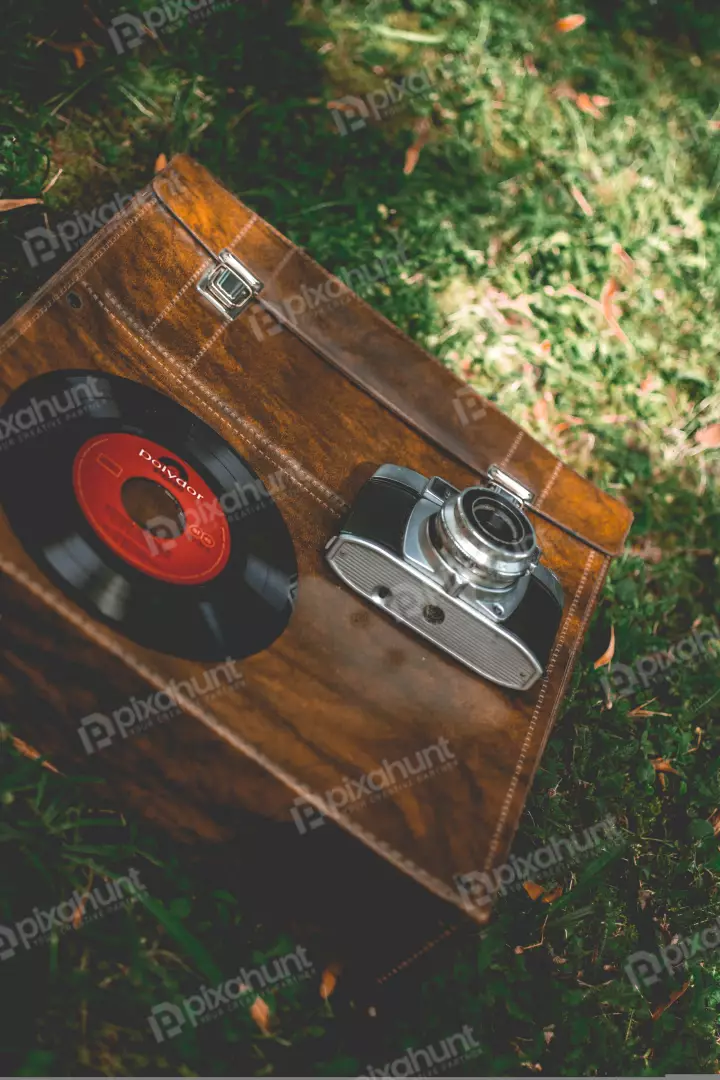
(650, 382)
(76, 48)
(79, 912)
(605, 306)
(582, 201)
(536, 944)
(412, 154)
(609, 290)
(328, 980)
(260, 1013)
(568, 23)
(662, 765)
(709, 436)
(537, 892)
(51, 183)
(673, 998)
(533, 889)
(30, 752)
(13, 204)
(564, 90)
(609, 652)
(642, 710)
(587, 105)
(569, 422)
(627, 261)
(160, 162)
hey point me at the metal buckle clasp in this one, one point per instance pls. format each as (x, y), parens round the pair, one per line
(228, 285)
(509, 485)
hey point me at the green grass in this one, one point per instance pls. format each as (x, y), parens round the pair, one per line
(498, 249)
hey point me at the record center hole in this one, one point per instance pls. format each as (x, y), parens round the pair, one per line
(433, 614)
(152, 507)
(176, 466)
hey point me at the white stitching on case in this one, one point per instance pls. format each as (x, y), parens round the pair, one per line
(558, 698)
(282, 264)
(553, 477)
(210, 341)
(516, 442)
(171, 303)
(223, 325)
(200, 270)
(505, 808)
(82, 269)
(245, 229)
(280, 458)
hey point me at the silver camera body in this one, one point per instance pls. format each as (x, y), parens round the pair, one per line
(461, 568)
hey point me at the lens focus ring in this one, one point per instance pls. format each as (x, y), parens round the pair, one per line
(484, 537)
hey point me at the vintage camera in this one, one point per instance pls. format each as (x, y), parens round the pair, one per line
(459, 567)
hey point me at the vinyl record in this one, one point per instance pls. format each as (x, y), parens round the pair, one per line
(144, 516)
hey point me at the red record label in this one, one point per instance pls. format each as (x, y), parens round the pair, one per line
(182, 536)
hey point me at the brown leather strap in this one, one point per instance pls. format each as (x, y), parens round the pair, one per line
(302, 297)
(417, 421)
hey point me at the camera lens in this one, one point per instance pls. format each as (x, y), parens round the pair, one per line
(494, 521)
(484, 537)
(495, 518)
